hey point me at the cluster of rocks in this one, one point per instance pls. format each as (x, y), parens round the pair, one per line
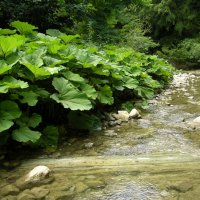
(122, 116)
(30, 186)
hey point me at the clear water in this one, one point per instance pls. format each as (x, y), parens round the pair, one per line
(156, 157)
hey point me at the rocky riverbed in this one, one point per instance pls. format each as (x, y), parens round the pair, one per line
(151, 158)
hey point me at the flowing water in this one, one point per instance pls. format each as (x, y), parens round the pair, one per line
(156, 157)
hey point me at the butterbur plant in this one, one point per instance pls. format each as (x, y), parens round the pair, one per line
(61, 69)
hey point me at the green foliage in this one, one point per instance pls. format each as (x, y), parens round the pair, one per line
(188, 50)
(62, 70)
(97, 21)
(175, 17)
(85, 121)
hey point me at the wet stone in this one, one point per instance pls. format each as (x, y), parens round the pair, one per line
(38, 176)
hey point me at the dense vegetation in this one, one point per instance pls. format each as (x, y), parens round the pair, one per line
(39, 71)
(85, 56)
(173, 24)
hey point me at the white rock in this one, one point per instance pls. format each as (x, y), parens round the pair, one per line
(122, 115)
(134, 114)
(37, 174)
(89, 145)
(195, 124)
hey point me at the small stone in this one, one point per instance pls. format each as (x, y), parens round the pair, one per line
(81, 187)
(112, 123)
(40, 193)
(134, 114)
(195, 124)
(122, 115)
(9, 190)
(89, 145)
(164, 193)
(110, 133)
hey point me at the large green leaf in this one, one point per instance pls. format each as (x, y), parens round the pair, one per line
(4, 67)
(25, 134)
(54, 70)
(89, 91)
(9, 82)
(29, 97)
(68, 38)
(87, 60)
(5, 124)
(33, 62)
(130, 82)
(9, 111)
(85, 121)
(7, 31)
(49, 137)
(12, 59)
(9, 44)
(105, 95)
(73, 77)
(69, 96)
(54, 32)
(23, 27)
(50, 61)
(32, 121)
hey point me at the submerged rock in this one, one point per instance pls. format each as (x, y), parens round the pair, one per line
(37, 176)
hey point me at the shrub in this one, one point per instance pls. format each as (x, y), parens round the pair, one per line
(59, 69)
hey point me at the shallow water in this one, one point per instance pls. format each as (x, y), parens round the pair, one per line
(156, 157)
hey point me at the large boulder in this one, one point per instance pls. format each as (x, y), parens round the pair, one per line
(38, 176)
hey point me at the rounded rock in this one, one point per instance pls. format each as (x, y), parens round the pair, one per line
(195, 124)
(37, 174)
(134, 114)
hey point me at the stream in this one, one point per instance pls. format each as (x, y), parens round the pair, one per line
(153, 158)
